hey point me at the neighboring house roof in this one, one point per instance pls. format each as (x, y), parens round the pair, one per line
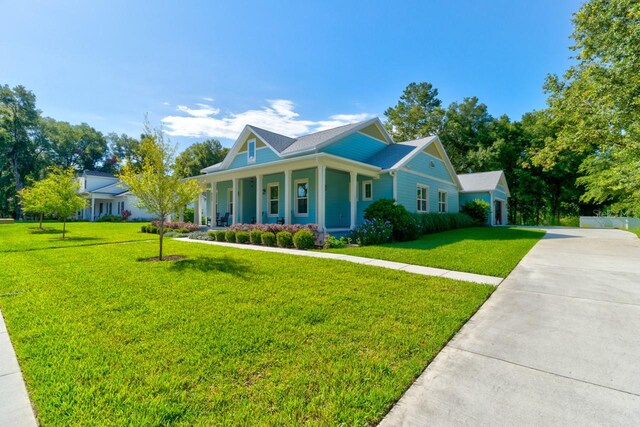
(483, 181)
(98, 173)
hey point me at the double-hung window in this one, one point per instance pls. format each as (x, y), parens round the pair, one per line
(422, 198)
(251, 151)
(273, 191)
(442, 201)
(302, 197)
(367, 190)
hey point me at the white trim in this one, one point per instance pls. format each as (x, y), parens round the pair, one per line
(255, 151)
(426, 199)
(446, 200)
(259, 199)
(364, 197)
(230, 202)
(269, 200)
(424, 175)
(296, 198)
(394, 175)
(287, 196)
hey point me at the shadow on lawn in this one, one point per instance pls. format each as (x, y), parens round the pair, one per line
(207, 264)
(45, 230)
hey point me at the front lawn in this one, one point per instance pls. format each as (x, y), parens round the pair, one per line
(223, 337)
(22, 236)
(493, 251)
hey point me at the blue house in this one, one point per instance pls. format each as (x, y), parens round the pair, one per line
(330, 177)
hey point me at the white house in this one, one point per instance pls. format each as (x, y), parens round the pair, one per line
(107, 196)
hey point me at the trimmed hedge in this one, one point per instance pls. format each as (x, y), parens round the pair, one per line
(268, 238)
(404, 225)
(220, 236)
(478, 210)
(255, 237)
(435, 222)
(284, 239)
(242, 237)
(230, 236)
(304, 239)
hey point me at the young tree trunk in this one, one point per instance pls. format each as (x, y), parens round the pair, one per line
(161, 236)
(64, 227)
(41, 215)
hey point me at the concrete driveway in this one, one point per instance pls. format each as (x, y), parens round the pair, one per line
(558, 343)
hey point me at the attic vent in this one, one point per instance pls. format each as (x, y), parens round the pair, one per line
(432, 164)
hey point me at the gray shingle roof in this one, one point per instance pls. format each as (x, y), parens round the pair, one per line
(311, 141)
(481, 181)
(394, 153)
(99, 173)
(277, 141)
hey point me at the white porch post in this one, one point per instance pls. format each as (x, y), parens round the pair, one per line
(214, 197)
(197, 210)
(234, 200)
(322, 179)
(287, 196)
(93, 208)
(258, 199)
(353, 197)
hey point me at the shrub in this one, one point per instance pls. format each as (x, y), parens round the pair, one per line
(188, 215)
(372, 232)
(284, 239)
(403, 224)
(200, 235)
(125, 214)
(275, 228)
(332, 242)
(143, 229)
(436, 222)
(221, 236)
(242, 237)
(304, 239)
(212, 234)
(478, 210)
(255, 236)
(230, 236)
(182, 230)
(175, 225)
(110, 218)
(268, 238)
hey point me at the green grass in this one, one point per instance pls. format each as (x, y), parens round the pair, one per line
(636, 231)
(223, 337)
(493, 251)
(27, 235)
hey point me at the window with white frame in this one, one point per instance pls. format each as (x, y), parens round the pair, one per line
(422, 198)
(251, 151)
(442, 201)
(273, 191)
(302, 197)
(367, 190)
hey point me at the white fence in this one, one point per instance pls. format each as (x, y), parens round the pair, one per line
(623, 223)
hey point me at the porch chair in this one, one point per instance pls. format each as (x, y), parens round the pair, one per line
(223, 221)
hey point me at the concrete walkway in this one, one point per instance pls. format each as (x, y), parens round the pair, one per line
(416, 269)
(15, 406)
(558, 343)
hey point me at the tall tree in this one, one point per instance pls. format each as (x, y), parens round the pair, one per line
(198, 156)
(417, 114)
(78, 146)
(597, 104)
(123, 149)
(158, 188)
(18, 121)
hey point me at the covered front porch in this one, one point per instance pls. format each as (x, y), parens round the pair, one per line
(320, 190)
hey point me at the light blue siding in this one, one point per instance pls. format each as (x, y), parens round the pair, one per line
(407, 189)
(263, 155)
(382, 189)
(337, 203)
(355, 147)
(309, 174)
(277, 178)
(422, 163)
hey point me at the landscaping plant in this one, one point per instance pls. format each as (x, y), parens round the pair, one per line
(230, 236)
(404, 225)
(242, 237)
(372, 232)
(255, 236)
(478, 210)
(268, 238)
(284, 239)
(304, 239)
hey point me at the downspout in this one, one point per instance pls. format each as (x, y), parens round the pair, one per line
(394, 175)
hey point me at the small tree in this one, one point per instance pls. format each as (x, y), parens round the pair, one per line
(35, 200)
(157, 187)
(63, 193)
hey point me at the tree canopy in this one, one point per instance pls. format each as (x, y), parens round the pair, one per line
(198, 156)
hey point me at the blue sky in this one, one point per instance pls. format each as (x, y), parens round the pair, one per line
(204, 68)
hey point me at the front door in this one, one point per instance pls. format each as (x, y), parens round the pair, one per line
(498, 211)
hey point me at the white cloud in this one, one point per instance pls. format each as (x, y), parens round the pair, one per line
(208, 99)
(166, 103)
(278, 116)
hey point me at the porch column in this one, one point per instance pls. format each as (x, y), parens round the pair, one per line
(322, 179)
(287, 196)
(258, 199)
(213, 201)
(93, 207)
(234, 200)
(197, 211)
(353, 197)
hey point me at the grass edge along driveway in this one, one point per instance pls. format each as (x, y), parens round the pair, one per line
(222, 337)
(492, 251)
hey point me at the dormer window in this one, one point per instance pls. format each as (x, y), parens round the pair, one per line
(251, 151)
